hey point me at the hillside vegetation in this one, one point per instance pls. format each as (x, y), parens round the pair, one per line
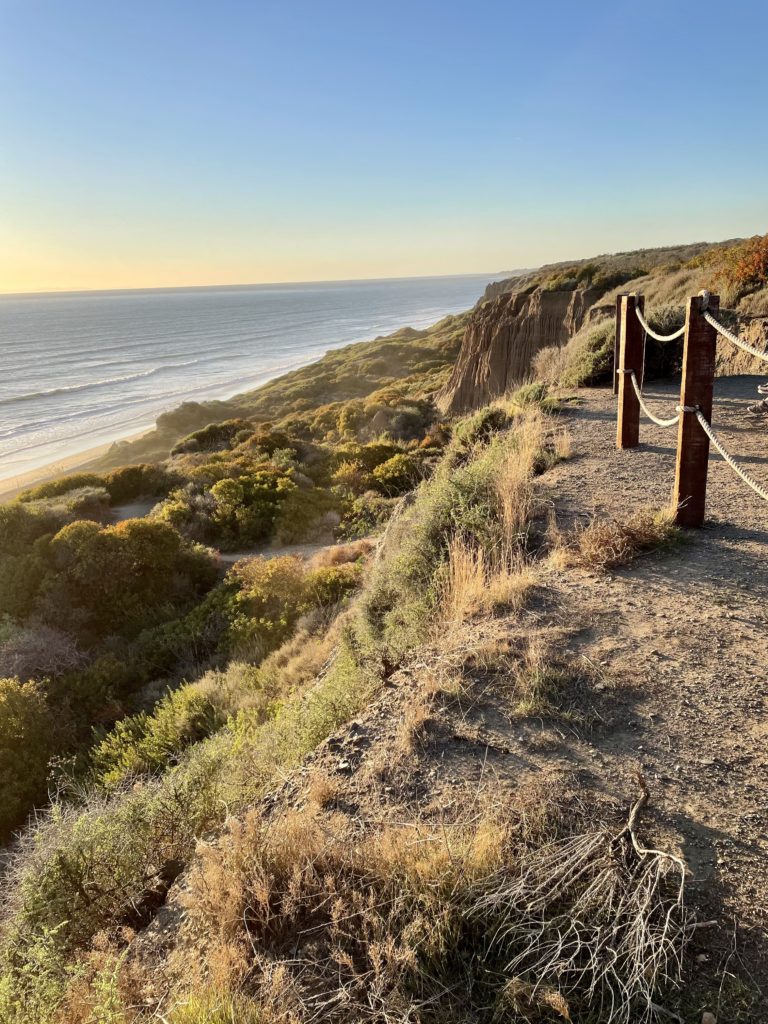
(363, 378)
(99, 620)
(737, 271)
(184, 728)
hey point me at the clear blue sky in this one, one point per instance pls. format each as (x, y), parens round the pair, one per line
(168, 142)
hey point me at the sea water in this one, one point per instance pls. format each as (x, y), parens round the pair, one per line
(79, 369)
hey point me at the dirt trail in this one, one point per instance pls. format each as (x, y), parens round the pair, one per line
(674, 654)
(686, 632)
(669, 658)
(278, 550)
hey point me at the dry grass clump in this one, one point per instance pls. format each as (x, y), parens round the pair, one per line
(551, 363)
(607, 543)
(539, 682)
(523, 910)
(341, 554)
(562, 445)
(477, 582)
(414, 727)
(483, 577)
(322, 790)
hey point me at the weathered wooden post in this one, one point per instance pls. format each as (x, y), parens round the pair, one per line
(631, 338)
(690, 491)
(617, 345)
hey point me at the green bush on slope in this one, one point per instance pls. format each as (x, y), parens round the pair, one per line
(587, 359)
(96, 867)
(27, 740)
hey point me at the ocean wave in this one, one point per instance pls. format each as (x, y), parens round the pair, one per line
(94, 384)
(152, 406)
(129, 354)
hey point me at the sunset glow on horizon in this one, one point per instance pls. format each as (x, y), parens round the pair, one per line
(179, 145)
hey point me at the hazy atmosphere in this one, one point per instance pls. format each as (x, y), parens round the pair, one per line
(180, 143)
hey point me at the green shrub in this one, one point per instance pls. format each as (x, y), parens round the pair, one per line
(399, 474)
(271, 598)
(306, 514)
(246, 508)
(81, 503)
(121, 578)
(329, 585)
(212, 438)
(479, 426)
(186, 644)
(189, 511)
(267, 442)
(143, 743)
(368, 455)
(62, 485)
(366, 515)
(26, 744)
(94, 867)
(534, 393)
(143, 481)
(96, 691)
(20, 579)
(590, 355)
(352, 477)
(21, 526)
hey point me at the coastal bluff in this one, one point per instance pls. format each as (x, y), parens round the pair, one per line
(504, 334)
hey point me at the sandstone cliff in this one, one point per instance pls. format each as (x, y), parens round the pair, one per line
(504, 334)
(513, 282)
(537, 309)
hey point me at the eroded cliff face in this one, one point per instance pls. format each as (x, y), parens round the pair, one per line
(503, 336)
(753, 329)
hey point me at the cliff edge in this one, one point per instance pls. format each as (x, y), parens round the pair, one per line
(503, 336)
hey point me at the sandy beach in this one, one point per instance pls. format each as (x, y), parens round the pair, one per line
(80, 461)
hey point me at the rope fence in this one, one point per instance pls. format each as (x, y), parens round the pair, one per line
(659, 423)
(694, 413)
(649, 330)
(734, 338)
(707, 428)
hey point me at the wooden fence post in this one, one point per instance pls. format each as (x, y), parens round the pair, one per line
(617, 345)
(690, 492)
(631, 338)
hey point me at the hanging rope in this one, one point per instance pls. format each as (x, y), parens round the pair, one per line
(705, 426)
(644, 407)
(649, 330)
(734, 338)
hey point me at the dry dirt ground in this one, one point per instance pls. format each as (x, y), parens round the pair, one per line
(684, 633)
(666, 663)
(672, 652)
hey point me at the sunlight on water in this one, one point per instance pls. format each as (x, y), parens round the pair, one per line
(81, 369)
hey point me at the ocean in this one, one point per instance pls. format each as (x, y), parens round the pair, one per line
(80, 369)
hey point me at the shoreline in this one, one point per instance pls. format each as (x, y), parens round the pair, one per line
(83, 460)
(79, 461)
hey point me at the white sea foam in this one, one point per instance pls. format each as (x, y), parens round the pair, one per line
(85, 368)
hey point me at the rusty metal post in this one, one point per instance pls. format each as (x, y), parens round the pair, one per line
(690, 491)
(631, 343)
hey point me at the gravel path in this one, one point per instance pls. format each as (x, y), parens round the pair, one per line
(685, 632)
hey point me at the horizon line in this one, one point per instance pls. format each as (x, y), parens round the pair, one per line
(52, 292)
